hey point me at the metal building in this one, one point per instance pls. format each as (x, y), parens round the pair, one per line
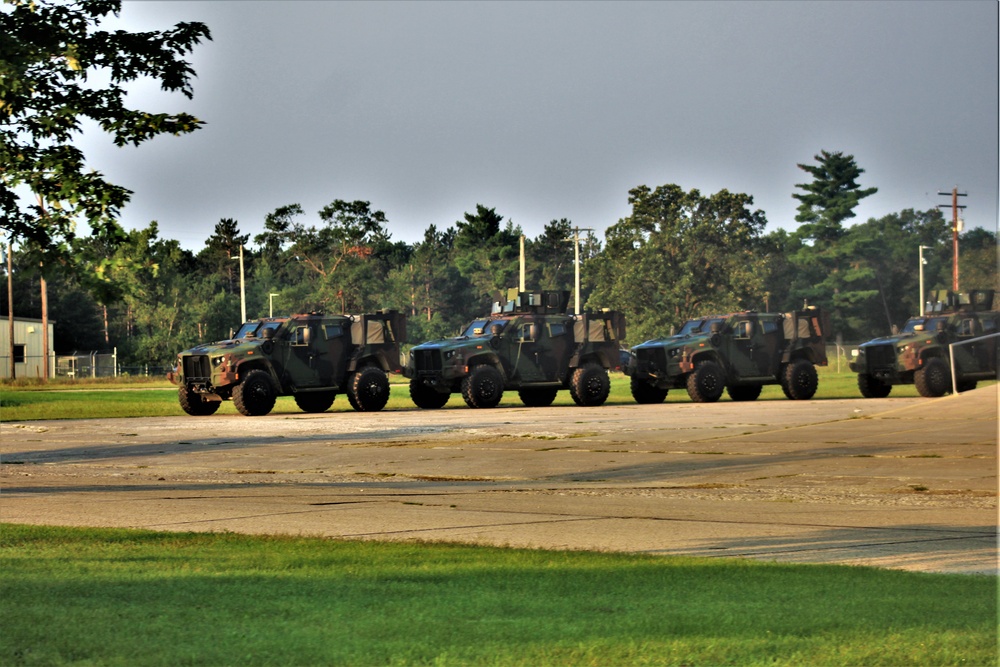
(29, 354)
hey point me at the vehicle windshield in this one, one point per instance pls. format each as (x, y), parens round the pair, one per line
(928, 323)
(256, 329)
(482, 328)
(692, 327)
(247, 328)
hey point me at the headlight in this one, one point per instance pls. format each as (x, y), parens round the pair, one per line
(216, 361)
(449, 354)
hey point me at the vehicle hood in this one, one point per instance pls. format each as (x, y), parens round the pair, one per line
(896, 339)
(452, 343)
(672, 342)
(225, 346)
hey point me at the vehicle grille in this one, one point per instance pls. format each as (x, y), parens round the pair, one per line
(881, 356)
(652, 361)
(427, 360)
(197, 366)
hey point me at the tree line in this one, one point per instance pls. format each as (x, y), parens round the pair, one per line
(678, 255)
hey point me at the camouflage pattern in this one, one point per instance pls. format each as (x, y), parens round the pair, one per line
(312, 357)
(528, 344)
(919, 353)
(739, 353)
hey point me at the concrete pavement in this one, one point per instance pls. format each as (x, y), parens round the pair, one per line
(906, 483)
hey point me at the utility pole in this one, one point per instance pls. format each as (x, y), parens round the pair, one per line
(955, 194)
(576, 264)
(10, 304)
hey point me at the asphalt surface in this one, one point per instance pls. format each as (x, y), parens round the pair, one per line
(907, 483)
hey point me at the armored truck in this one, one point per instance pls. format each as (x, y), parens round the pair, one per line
(529, 344)
(312, 357)
(738, 353)
(920, 353)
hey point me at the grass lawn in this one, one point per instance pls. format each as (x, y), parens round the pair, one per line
(158, 398)
(121, 597)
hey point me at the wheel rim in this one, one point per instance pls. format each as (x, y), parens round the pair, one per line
(488, 389)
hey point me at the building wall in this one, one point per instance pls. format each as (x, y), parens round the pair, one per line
(27, 332)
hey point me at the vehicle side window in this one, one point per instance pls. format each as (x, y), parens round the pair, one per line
(298, 336)
(744, 329)
(333, 331)
(556, 329)
(769, 327)
(989, 325)
(966, 327)
(526, 332)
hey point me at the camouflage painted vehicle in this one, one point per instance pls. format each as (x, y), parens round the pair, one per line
(528, 343)
(311, 357)
(738, 353)
(919, 353)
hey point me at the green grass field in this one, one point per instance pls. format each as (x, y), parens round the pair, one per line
(24, 401)
(120, 597)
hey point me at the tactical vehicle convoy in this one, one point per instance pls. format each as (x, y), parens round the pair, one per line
(528, 343)
(919, 354)
(311, 357)
(738, 353)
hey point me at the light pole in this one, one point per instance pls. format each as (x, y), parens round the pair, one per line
(922, 262)
(270, 304)
(576, 263)
(243, 293)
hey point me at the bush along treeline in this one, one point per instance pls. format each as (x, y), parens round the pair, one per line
(679, 254)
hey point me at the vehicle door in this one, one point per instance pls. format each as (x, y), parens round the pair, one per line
(741, 346)
(976, 354)
(336, 348)
(556, 348)
(767, 348)
(299, 354)
(524, 339)
(990, 346)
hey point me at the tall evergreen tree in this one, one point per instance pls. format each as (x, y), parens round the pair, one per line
(830, 198)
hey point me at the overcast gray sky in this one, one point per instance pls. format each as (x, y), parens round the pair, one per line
(548, 110)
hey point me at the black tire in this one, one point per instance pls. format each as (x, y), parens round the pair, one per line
(934, 379)
(315, 401)
(872, 387)
(538, 397)
(482, 387)
(645, 393)
(801, 380)
(589, 386)
(744, 392)
(706, 383)
(368, 389)
(427, 398)
(255, 395)
(193, 404)
(967, 385)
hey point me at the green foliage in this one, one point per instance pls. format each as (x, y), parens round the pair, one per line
(679, 255)
(830, 198)
(48, 53)
(105, 596)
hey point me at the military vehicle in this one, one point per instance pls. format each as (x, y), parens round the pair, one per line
(311, 357)
(919, 354)
(738, 353)
(528, 343)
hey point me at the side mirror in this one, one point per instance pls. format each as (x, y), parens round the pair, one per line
(267, 334)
